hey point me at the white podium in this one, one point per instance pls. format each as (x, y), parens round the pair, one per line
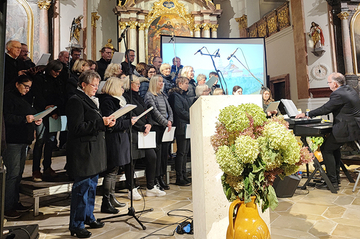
(210, 206)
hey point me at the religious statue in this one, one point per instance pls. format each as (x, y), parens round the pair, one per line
(75, 29)
(316, 36)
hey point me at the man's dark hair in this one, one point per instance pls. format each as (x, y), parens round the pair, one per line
(75, 49)
(128, 51)
(54, 65)
(104, 48)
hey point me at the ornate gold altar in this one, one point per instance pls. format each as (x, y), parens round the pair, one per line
(148, 21)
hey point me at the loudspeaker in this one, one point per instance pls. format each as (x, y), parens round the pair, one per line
(286, 188)
(22, 232)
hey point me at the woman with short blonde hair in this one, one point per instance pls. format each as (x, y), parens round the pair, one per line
(200, 79)
(80, 66)
(165, 70)
(188, 72)
(113, 86)
(112, 70)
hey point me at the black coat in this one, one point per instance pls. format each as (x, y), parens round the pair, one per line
(117, 138)
(191, 90)
(86, 147)
(12, 67)
(139, 126)
(16, 108)
(102, 65)
(125, 68)
(344, 103)
(180, 103)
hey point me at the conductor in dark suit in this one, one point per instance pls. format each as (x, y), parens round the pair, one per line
(344, 103)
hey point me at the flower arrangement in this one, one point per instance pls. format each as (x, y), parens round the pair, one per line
(251, 150)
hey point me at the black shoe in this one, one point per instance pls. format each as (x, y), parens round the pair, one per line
(107, 207)
(22, 208)
(182, 183)
(162, 183)
(324, 186)
(156, 183)
(115, 203)
(80, 232)
(187, 179)
(95, 224)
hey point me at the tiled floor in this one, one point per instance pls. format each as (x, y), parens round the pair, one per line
(311, 213)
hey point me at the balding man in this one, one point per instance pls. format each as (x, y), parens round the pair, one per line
(12, 64)
(344, 104)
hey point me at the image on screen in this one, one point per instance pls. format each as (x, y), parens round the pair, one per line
(250, 73)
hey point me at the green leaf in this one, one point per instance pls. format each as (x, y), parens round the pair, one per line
(271, 196)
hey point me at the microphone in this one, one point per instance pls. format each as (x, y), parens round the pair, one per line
(232, 54)
(217, 54)
(123, 34)
(198, 50)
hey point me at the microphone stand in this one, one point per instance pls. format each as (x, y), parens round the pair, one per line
(262, 85)
(221, 76)
(131, 210)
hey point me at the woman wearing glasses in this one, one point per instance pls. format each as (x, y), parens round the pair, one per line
(85, 152)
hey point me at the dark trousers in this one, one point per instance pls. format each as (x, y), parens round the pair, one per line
(150, 166)
(183, 145)
(82, 201)
(43, 137)
(110, 181)
(330, 150)
(161, 150)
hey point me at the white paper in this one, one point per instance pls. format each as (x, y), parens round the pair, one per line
(188, 132)
(272, 106)
(60, 124)
(44, 113)
(144, 113)
(290, 107)
(120, 112)
(117, 58)
(168, 136)
(148, 141)
(43, 59)
(211, 81)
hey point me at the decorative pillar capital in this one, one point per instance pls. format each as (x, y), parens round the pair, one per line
(94, 18)
(44, 4)
(343, 15)
(197, 27)
(206, 26)
(214, 27)
(123, 25)
(242, 21)
(133, 24)
(142, 26)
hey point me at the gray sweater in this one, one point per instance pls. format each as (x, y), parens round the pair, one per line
(162, 112)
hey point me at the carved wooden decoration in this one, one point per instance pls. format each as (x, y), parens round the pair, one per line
(283, 16)
(253, 31)
(262, 28)
(272, 23)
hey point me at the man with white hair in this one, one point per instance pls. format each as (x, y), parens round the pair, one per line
(12, 64)
(344, 104)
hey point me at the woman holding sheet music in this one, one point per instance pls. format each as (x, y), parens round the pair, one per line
(85, 152)
(19, 129)
(117, 143)
(163, 117)
(143, 125)
(267, 99)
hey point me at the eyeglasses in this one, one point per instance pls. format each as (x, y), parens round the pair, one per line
(137, 84)
(107, 52)
(26, 86)
(94, 86)
(329, 82)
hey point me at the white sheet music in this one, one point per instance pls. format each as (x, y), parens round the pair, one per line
(168, 136)
(44, 113)
(148, 141)
(120, 112)
(188, 132)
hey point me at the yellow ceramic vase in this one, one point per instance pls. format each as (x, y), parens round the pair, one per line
(245, 221)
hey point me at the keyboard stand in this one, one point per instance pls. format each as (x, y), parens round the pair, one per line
(317, 167)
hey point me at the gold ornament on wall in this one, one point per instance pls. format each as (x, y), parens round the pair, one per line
(94, 18)
(242, 21)
(271, 20)
(283, 16)
(262, 28)
(44, 4)
(206, 26)
(343, 15)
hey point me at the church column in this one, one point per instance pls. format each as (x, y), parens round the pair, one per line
(142, 42)
(346, 42)
(214, 28)
(56, 28)
(44, 6)
(206, 30)
(197, 30)
(132, 44)
(122, 26)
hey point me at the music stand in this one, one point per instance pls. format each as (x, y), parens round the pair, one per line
(131, 210)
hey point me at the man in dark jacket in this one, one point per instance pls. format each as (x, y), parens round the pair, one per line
(13, 65)
(106, 55)
(344, 104)
(125, 64)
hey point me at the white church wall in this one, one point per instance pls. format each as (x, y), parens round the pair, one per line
(280, 57)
